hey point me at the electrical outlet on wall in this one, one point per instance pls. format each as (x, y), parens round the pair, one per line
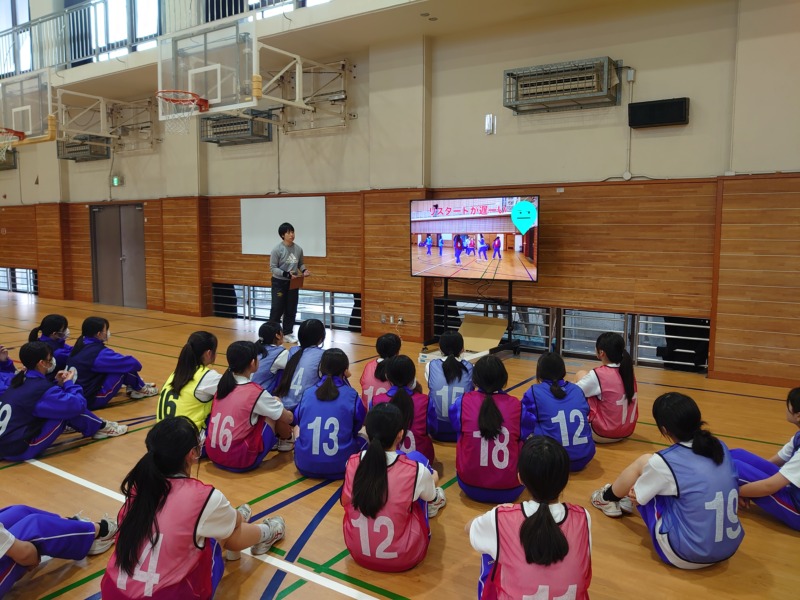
(400, 320)
(383, 318)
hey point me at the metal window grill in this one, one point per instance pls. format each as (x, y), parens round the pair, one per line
(672, 342)
(337, 310)
(25, 281)
(580, 329)
(562, 86)
(530, 324)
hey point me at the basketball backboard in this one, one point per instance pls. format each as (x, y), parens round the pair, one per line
(216, 63)
(26, 102)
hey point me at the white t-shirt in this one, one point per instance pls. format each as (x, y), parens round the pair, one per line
(791, 469)
(266, 405)
(218, 519)
(207, 387)
(425, 488)
(6, 540)
(280, 362)
(590, 384)
(483, 530)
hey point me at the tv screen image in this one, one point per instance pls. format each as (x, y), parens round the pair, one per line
(491, 239)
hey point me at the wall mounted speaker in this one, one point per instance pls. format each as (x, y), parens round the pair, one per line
(658, 113)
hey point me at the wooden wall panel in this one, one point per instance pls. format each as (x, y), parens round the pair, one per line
(622, 247)
(50, 250)
(339, 271)
(18, 237)
(79, 253)
(154, 254)
(756, 323)
(389, 288)
(183, 241)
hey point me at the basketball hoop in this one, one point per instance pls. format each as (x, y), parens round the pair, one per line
(8, 137)
(178, 106)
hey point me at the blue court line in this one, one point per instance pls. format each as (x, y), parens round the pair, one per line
(290, 500)
(523, 382)
(294, 552)
(96, 596)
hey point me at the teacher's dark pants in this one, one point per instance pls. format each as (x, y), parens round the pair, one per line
(284, 304)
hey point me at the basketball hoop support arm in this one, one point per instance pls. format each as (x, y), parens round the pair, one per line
(299, 63)
(50, 136)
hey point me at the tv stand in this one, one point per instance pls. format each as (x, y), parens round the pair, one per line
(509, 344)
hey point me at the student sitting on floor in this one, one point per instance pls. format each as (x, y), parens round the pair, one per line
(34, 411)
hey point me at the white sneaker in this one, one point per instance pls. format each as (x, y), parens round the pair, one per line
(101, 544)
(110, 429)
(149, 389)
(284, 445)
(435, 505)
(610, 509)
(246, 512)
(626, 505)
(290, 338)
(277, 529)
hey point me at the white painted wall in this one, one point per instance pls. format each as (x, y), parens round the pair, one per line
(421, 105)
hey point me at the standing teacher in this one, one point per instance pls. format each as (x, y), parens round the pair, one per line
(286, 263)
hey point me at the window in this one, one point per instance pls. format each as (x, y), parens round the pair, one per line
(15, 44)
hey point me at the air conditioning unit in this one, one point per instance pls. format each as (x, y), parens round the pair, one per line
(9, 162)
(573, 85)
(84, 148)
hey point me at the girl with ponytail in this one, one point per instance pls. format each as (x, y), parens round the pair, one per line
(172, 526)
(329, 417)
(541, 543)
(54, 330)
(406, 394)
(191, 387)
(34, 411)
(491, 427)
(386, 488)
(448, 378)
(687, 494)
(373, 378)
(560, 410)
(611, 391)
(245, 419)
(272, 356)
(101, 371)
(302, 368)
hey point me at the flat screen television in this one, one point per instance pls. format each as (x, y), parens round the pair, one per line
(489, 239)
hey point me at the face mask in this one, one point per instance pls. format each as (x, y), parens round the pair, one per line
(66, 334)
(52, 366)
(108, 335)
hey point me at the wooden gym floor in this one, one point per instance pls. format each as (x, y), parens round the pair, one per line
(312, 561)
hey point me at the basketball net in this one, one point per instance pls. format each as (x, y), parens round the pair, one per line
(178, 107)
(8, 137)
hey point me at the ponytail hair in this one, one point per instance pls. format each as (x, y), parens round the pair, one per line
(551, 369)
(239, 354)
(679, 416)
(147, 486)
(29, 355)
(451, 343)
(371, 479)
(387, 346)
(613, 345)
(50, 324)
(543, 468)
(490, 376)
(191, 358)
(310, 333)
(401, 372)
(90, 328)
(334, 363)
(267, 334)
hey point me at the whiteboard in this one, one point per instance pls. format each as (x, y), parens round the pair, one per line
(261, 218)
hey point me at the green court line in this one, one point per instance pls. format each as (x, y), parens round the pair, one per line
(276, 490)
(72, 586)
(301, 582)
(362, 584)
(449, 483)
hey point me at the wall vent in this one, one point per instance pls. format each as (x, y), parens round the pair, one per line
(84, 148)
(573, 85)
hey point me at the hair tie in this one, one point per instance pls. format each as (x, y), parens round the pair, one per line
(260, 340)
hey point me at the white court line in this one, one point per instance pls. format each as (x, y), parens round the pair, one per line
(79, 480)
(311, 576)
(275, 562)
